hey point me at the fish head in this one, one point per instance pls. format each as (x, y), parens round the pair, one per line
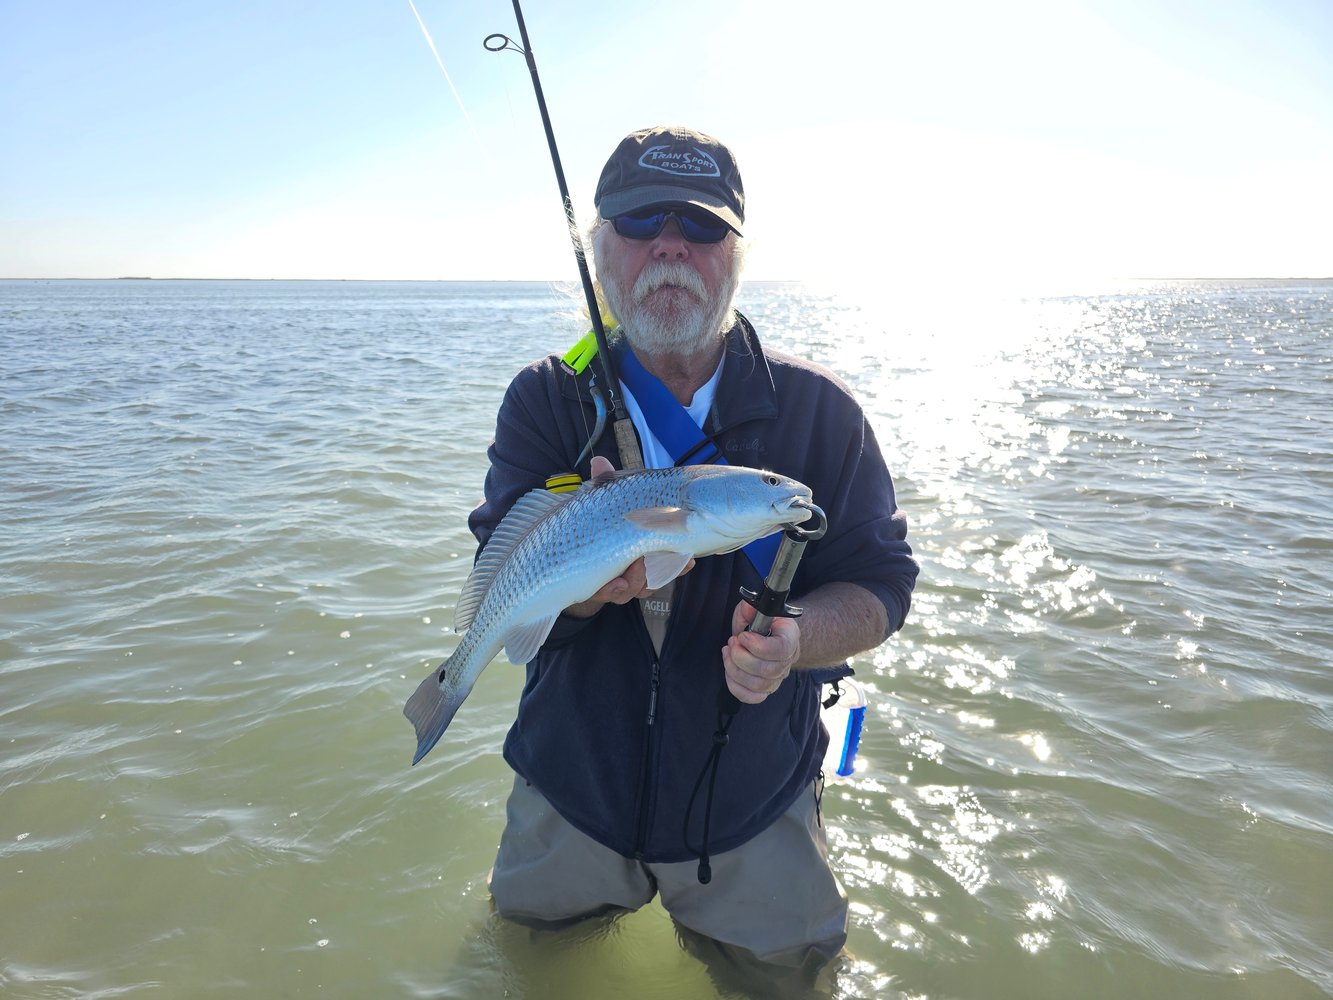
(737, 504)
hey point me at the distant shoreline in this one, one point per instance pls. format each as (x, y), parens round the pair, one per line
(566, 280)
(442, 281)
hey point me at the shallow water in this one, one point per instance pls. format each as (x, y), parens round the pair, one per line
(1096, 762)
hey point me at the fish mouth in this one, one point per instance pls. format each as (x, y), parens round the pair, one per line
(797, 510)
(794, 510)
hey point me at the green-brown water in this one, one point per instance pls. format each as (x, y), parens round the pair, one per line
(232, 526)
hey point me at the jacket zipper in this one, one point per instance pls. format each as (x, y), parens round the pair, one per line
(650, 723)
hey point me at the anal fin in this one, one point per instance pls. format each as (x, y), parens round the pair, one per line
(523, 641)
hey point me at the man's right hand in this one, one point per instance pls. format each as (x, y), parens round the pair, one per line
(630, 585)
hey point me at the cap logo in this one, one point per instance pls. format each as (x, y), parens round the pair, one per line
(692, 162)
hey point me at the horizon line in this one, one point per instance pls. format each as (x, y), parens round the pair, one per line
(821, 278)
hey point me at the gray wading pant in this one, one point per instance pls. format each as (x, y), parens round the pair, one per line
(774, 896)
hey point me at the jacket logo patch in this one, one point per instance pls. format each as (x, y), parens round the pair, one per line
(743, 446)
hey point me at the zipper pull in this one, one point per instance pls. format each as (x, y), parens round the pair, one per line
(652, 699)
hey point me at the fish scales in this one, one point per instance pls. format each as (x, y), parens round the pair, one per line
(553, 551)
(574, 538)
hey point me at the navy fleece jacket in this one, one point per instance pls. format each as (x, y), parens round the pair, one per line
(611, 734)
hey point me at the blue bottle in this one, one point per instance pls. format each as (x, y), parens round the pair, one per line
(843, 720)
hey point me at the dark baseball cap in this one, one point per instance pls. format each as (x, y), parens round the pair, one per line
(671, 166)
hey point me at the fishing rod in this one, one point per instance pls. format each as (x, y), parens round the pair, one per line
(626, 442)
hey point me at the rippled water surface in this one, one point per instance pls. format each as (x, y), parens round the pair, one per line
(1097, 761)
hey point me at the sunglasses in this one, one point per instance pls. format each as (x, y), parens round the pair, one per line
(696, 225)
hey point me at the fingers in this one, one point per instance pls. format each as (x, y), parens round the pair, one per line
(631, 584)
(742, 616)
(756, 665)
(623, 589)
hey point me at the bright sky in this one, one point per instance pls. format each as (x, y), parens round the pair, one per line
(894, 140)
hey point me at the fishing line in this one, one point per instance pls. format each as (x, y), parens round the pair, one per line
(447, 78)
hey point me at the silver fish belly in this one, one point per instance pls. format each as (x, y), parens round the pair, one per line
(554, 550)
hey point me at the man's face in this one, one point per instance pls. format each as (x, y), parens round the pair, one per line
(668, 293)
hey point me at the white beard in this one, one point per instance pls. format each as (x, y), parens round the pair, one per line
(668, 312)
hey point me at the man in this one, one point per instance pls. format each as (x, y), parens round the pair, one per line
(614, 735)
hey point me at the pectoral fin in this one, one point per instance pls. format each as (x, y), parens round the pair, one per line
(523, 641)
(663, 567)
(669, 519)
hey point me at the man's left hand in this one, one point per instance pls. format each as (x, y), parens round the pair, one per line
(757, 664)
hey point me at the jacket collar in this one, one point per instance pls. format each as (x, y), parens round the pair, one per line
(745, 392)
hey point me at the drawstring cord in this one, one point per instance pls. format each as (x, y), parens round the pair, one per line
(726, 715)
(709, 771)
(727, 707)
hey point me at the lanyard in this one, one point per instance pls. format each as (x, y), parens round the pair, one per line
(683, 439)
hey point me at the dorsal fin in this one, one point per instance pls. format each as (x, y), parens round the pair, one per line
(531, 508)
(614, 474)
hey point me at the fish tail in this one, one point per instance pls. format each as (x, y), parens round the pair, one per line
(431, 709)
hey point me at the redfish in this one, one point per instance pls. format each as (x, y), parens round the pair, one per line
(553, 550)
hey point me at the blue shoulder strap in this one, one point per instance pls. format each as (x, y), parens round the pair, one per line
(683, 439)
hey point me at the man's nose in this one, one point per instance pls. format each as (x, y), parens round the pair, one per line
(670, 243)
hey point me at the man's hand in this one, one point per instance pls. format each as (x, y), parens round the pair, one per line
(630, 585)
(756, 664)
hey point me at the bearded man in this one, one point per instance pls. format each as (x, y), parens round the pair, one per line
(616, 722)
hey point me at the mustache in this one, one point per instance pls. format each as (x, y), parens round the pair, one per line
(661, 273)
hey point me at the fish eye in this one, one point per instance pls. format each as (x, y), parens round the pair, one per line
(772, 480)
